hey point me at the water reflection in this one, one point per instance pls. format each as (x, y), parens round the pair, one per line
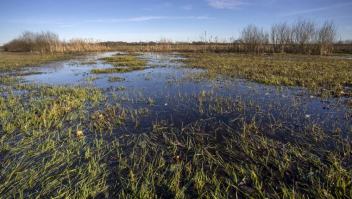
(179, 98)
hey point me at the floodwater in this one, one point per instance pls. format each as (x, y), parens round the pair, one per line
(183, 95)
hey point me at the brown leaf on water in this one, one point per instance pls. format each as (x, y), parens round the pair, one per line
(247, 189)
(261, 151)
(244, 181)
(79, 133)
(175, 159)
(114, 157)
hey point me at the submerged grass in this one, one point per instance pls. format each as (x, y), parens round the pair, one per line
(80, 142)
(223, 163)
(39, 152)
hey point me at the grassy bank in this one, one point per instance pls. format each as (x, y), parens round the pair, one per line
(123, 64)
(117, 69)
(14, 61)
(315, 72)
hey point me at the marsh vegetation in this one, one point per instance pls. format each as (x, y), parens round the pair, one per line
(49, 42)
(176, 125)
(303, 36)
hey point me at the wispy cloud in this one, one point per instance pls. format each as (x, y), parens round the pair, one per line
(227, 4)
(147, 18)
(193, 17)
(187, 7)
(306, 11)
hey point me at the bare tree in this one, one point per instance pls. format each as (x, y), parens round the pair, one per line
(254, 38)
(280, 36)
(28, 41)
(303, 33)
(327, 36)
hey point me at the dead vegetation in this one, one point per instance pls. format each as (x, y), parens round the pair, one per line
(46, 41)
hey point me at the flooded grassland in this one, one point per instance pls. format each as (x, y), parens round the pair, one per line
(171, 125)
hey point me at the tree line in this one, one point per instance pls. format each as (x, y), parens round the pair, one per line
(304, 36)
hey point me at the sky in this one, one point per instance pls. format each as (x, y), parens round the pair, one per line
(152, 20)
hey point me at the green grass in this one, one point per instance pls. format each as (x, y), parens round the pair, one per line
(51, 163)
(117, 69)
(115, 79)
(91, 79)
(15, 61)
(313, 72)
(119, 58)
(131, 63)
(186, 163)
(7, 80)
(341, 54)
(88, 63)
(27, 73)
(41, 156)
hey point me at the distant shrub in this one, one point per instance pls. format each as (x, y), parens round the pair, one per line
(47, 41)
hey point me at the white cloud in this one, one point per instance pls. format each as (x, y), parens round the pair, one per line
(194, 17)
(227, 4)
(187, 7)
(306, 11)
(147, 18)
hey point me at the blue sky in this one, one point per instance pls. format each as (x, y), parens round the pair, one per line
(151, 20)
